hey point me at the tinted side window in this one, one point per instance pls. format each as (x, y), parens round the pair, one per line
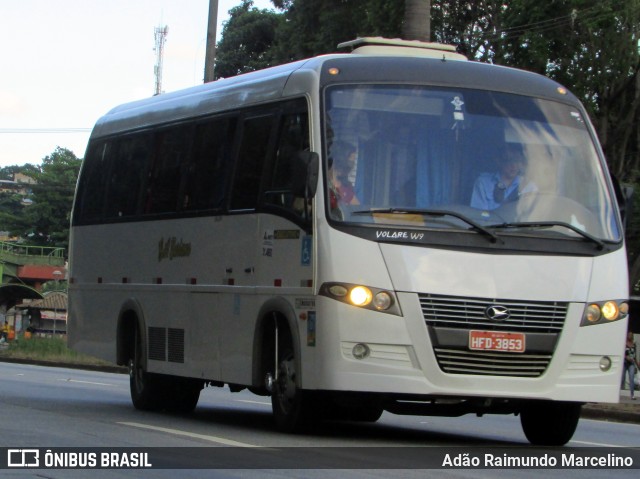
(171, 153)
(208, 168)
(287, 179)
(91, 187)
(253, 153)
(128, 158)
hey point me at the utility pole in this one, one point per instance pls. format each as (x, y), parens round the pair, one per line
(161, 38)
(210, 55)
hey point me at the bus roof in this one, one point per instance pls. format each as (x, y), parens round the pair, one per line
(409, 63)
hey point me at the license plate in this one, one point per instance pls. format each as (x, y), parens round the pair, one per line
(497, 341)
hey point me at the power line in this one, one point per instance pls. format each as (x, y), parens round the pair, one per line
(44, 130)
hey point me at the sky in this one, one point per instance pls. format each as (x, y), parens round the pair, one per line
(65, 63)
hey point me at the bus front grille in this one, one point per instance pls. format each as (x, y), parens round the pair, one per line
(469, 313)
(450, 318)
(454, 361)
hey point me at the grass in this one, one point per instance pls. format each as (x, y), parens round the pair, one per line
(48, 349)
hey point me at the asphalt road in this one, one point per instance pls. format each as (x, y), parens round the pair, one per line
(50, 407)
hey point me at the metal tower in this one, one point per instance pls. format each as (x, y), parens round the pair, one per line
(161, 38)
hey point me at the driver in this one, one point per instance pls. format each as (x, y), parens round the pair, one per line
(491, 190)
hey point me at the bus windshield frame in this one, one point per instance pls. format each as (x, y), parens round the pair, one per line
(456, 159)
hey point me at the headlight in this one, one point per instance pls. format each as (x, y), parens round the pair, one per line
(382, 301)
(604, 311)
(362, 296)
(592, 314)
(610, 311)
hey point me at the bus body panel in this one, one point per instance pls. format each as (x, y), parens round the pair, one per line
(461, 273)
(210, 279)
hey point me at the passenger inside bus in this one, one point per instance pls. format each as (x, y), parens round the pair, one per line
(508, 183)
(343, 157)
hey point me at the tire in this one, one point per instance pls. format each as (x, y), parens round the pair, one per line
(145, 387)
(180, 394)
(292, 407)
(550, 423)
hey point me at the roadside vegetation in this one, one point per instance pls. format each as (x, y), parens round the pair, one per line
(53, 350)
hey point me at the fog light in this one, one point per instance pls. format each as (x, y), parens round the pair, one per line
(360, 351)
(605, 363)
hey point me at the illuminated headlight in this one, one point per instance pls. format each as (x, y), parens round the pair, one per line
(362, 296)
(605, 311)
(610, 311)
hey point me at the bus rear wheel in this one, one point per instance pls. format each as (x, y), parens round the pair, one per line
(180, 395)
(550, 423)
(145, 387)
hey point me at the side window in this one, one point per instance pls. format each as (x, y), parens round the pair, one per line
(286, 183)
(91, 187)
(171, 152)
(254, 148)
(128, 159)
(208, 168)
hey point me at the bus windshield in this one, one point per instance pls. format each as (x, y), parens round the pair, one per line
(453, 158)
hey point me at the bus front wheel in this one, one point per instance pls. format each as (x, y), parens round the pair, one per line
(291, 406)
(550, 423)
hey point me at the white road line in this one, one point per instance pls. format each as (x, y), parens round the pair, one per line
(263, 403)
(84, 382)
(177, 432)
(597, 444)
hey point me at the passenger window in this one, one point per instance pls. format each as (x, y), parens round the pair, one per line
(128, 160)
(285, 188)
(90, 200)
(171, 152)
(254, 149)
(207, 171)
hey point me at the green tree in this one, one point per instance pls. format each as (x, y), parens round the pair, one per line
(254, 39)
(45, 221)
(247, 38)
(314, 27)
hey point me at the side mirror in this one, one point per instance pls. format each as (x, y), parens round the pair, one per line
(313, 169)
(624, 197)
(306, 173)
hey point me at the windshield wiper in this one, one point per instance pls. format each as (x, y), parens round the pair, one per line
(550, 224)
(426, 212)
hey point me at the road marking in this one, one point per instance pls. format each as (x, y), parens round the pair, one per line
(598, 444)
(178, 432)
(263, 403)
(85, 382)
